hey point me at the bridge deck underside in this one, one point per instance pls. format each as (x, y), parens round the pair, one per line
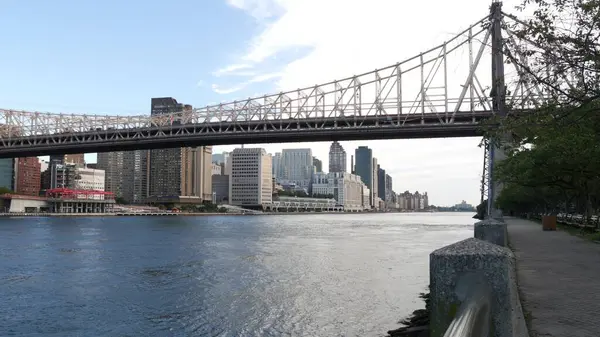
(463, 124)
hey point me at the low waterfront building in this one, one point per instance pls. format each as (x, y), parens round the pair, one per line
(17, 203)
(297, 204)
(345, 188)
(65, 200)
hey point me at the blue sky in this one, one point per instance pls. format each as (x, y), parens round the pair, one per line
(112, 57)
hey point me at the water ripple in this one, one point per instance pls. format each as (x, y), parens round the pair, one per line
(297, 275)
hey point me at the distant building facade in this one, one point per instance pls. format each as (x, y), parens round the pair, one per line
(297, 167)
(317, 164)
(363, 167)
(412, 201)
(28, 176)
(135, 176)
(375, 185)
(220, 189)
(276, 165)
(337, 158)
(78, 159)
(216, 169)
(345, 188)
(113, 165)
(7, 173)
(87, 179)
(251, 177)
(178, 171)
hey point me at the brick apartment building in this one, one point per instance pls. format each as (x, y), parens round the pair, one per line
(27, 178)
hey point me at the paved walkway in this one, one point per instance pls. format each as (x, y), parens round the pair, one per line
(559, 278)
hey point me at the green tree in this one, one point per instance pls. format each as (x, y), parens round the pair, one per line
(553, 151)
(559, 164)
(4, 190)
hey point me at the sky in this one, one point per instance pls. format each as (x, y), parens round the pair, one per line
(110, 57)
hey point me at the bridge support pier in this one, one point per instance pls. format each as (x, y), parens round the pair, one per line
(498, 94)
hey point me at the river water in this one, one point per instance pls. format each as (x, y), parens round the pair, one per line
(282, 275)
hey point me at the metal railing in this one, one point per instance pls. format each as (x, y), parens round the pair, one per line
(473, 318)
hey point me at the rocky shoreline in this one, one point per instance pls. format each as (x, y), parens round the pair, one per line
(417, 324)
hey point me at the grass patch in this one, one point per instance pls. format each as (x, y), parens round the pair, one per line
(586, 233)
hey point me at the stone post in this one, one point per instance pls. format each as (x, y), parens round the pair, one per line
(492, 231)
(450, 271)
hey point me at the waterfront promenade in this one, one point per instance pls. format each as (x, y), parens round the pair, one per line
(559, 280)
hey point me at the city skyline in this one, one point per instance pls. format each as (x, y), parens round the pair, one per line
(259, 50)
(415, 181)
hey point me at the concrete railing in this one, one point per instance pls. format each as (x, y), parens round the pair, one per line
(473, 317)
(473, 287)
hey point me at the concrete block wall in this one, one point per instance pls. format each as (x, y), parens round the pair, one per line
(483, 260)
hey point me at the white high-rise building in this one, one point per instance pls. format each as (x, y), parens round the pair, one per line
(297, 166)
(337, 158)
(346, 189)
(374, 185)
(251, 181)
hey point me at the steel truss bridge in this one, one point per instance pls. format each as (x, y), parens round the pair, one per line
(445, 91)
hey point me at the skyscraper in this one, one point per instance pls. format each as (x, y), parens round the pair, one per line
(251, 181)
(381, 188)
(178, 171)
(364, 168)
(337, 158)
(276, 165)
(375, 184)
(164, 176)
(114, 171)
(297, 166)
(389, 190)
(135, 175)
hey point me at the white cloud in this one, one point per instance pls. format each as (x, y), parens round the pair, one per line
(231, 68)
(351, 37)
(256, 79)
(226, 91)
(259, 9)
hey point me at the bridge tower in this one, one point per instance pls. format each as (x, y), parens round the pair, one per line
(493, 154)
